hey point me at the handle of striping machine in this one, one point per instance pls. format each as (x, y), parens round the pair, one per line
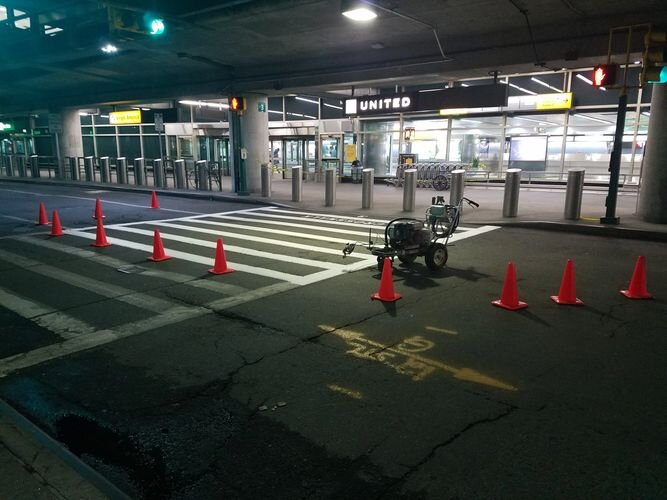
(470, 202)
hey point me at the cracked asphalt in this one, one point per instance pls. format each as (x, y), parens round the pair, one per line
(317, 392)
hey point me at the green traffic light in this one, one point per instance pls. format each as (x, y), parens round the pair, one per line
(156, 27)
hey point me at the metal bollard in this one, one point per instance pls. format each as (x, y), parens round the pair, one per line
(410, 190)
(367, 181)
(330, 187)
(266, 180)
(88, 167)
(10, 165)
(512, 188)
(139, 172)
(73, 168)
(158, 173)
(457, 186)
(179, 173)
(121, 170)
(20, 166)
(574, 193)
(34, 165)
(202, 175)
(104, 169)
(60, 168)
(297, 183)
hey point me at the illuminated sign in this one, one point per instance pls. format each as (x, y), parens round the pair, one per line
(554, 101)
(6, 127)
(379, 104)
(129, 117)
(604, 75)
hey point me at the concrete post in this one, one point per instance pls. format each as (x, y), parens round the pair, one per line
(73, 168)
(121, 170)
(266, 180)
(330, 187)
(71, 141)
(89, 168)
(297, 183)
(410, 190)
(158, 173)
(653, 190)
(139, 172)
(457, 186)
(10, 165)
(574, 193)
(202, 175)
(34, 166)
(105, 173)
(255, 139)
(367, 182)
(21, 166)
(512, 188)
(179, 173)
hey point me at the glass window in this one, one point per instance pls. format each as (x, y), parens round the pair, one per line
(148, 129)
(129, 147)
(105, 130)
(124, 129)
(87, 130)
(301, 108)
(173, 152)
(106, 146)
(151, 146)
(86, 120)
(584, 94)
(101, 119)
(275, 109)
(88, 147)
(185, 146)
(331, 108)
(537, 84)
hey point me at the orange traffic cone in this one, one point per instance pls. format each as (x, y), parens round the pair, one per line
(56, 228)
(220, 265)
(509, 298)
(386, 292)
(98, 210)
(158, 248)
(568, 291)
(42, 220)
(637, 288)
(154, 203)
(100, 236)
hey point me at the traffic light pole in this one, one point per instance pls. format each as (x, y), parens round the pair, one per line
(615, 162)
(240, 183)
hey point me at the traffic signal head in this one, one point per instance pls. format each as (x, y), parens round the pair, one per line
(604, 75)
(654, 58)
(132, 21)
(237, 103)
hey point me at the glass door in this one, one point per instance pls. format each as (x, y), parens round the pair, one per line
(331, 153)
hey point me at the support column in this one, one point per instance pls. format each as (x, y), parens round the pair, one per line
(653, 191)
(71, 142)
(254, 140)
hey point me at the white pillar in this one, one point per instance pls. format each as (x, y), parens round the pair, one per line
(653, 191)
(71, 142)
(255, 139)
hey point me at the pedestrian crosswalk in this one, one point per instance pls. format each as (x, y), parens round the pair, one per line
(75, 292)
(288, 245)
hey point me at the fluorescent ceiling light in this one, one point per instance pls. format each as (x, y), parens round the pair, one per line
(432, 90)
(523, 90)
(357, 11)
(539, 122)
(332, 106)
(646, 113)
(217, 105)
(306, 100)
(109, 49)
(277, 112)
(465, 85)
(545, 84)
(587, 80)
(593, 119)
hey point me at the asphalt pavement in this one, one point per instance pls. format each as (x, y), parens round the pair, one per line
(284, 380)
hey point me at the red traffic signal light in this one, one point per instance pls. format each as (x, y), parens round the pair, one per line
(604, 75)
(237, 103)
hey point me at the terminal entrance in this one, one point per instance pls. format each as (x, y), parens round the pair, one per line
(290, 152)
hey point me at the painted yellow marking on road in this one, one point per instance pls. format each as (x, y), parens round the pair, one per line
(403, 358)
(590, 218)
(440, 330)
(347, 392)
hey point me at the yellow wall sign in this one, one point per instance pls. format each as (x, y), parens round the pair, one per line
(129, 117)
(554, 101)
(350, 153)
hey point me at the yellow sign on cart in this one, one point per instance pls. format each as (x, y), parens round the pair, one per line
(129, 117)
(350, 153)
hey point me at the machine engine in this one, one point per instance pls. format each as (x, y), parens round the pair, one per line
(408, 235)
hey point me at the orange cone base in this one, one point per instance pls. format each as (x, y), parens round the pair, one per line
(100, 245)
(213, 271)
(160, 259)
(560, 301)
(630, 295)
(500, 303)
(377, 296)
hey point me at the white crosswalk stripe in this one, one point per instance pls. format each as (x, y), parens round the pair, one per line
(288, 240)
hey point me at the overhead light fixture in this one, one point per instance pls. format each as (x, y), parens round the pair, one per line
(357, 11)
(545, 84)
(521, 89)
(218, 105)
(312, 101)
(593, 119)
(109, 49)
